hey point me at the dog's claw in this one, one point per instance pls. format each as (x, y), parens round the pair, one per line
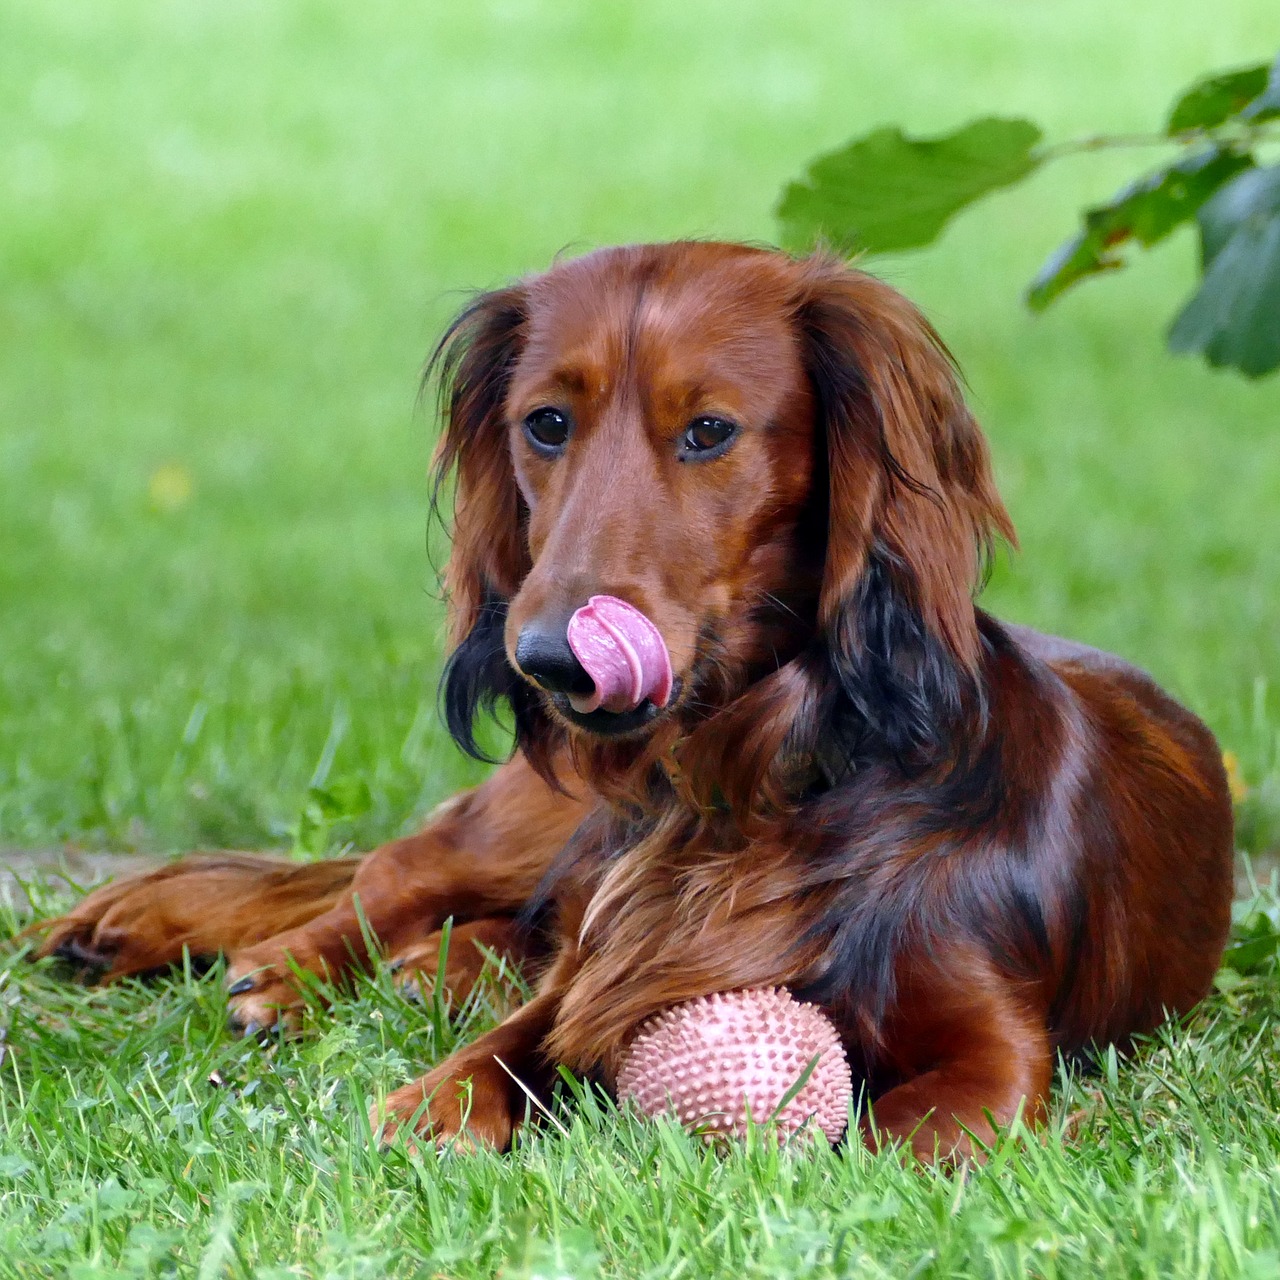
(73, 950)
(240, 986)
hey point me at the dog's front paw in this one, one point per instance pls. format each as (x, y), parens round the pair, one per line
(464, 1102)
(264, 989)
(494, 950)
(271, 1003)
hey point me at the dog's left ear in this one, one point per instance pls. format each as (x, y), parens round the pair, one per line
(912, 506)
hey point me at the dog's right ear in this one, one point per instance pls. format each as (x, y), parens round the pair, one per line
(489, 557)
(473, 363)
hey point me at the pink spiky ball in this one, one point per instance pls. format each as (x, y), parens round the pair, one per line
(710, 1061)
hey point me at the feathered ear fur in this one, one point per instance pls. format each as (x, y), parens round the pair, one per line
(912, 509)
(489, 556)
(473, 363)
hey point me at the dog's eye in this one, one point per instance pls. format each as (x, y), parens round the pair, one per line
(547, 428)
(707, 436)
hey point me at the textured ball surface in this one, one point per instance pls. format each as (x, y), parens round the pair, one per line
(710, 1061)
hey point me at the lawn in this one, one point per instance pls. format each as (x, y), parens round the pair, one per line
(230, 232)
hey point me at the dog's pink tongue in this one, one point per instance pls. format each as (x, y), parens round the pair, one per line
(623, 652)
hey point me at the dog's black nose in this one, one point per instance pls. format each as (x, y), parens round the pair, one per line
(543, 654)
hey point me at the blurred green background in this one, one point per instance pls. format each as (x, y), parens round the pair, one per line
(229, 232)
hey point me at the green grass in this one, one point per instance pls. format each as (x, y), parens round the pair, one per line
(230, 231)
(121, 1156)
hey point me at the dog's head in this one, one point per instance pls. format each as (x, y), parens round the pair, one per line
(764, 464)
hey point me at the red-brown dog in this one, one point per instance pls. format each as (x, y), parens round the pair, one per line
(974, 845)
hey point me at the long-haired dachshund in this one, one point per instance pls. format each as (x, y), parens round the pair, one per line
(813, 762)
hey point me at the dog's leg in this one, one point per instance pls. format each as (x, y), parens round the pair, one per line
(972, 1052)
(205, 904)
(480, 857)
(481, 1092)
(496, 946)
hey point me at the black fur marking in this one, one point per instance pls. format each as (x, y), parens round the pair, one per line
(992, 895)
(900, 684)
(1077, 915)
(477, 678)
(956, 852)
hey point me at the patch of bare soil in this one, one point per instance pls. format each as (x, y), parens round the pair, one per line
(73, 867)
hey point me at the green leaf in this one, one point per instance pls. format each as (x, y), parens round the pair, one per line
(1216, 98)
(342, 799)
(1254, 942)
(1234, 317)
(339, 801)
(1266, 106)
(1146, 212)
(887, 192)
(310, 832)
